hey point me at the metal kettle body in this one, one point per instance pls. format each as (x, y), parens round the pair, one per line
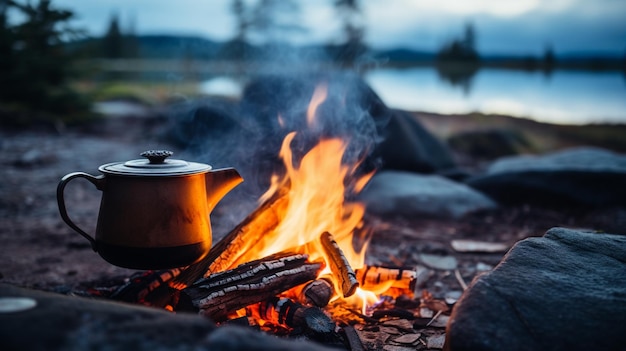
(153, 214)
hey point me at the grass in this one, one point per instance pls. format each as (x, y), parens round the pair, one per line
(543, 137)
(150, 93)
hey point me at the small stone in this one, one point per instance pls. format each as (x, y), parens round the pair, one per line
(483, 267)
(426, 312)
(435, 341)
(408, 338)
(451, 297)
(444, 263)
(478, 246)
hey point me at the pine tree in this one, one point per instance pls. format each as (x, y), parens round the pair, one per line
(35, 65)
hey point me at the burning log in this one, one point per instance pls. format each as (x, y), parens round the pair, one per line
(372, 276)
(291, 314)
(317, 293)
(223, 254)
(339, 265)
(226, 292)
(138, 288)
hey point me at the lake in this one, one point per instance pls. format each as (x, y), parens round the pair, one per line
(564, 97)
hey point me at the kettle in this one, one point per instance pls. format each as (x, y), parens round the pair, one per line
(154, 212)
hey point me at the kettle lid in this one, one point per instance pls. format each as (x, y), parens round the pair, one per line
(155, 163)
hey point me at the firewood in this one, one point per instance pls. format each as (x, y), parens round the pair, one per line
(139, 287)
(237, 241)
(317, 293)
(226, 292)
(339, 265)
(288, 313)
(401, 278)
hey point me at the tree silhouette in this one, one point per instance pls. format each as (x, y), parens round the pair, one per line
(353, 46)
(270, 20)
(112, 42)
(549, 60)
(266, 22)
(35, 68)
(460, 49)
(458, 61)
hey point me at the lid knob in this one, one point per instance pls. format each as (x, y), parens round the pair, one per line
(156, 156)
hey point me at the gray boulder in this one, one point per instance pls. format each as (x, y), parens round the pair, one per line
(410, 194)
(563, 291)
(408, 146)
(587, 177)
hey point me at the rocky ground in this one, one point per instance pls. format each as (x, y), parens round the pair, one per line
(39, 251)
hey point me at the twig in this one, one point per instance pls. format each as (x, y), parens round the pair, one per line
(434, 317)
(459, 278)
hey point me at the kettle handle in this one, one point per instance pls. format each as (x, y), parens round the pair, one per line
(98, 181)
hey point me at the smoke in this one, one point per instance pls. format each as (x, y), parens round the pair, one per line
(247, 133)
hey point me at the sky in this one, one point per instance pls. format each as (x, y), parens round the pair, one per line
(518, 27)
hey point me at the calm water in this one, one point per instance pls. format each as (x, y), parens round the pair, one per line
(568, 97)
(562, 97)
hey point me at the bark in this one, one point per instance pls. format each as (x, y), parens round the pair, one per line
(339, 265)
(291, 314)
(317, 293)
(371, 276)
(223, 293)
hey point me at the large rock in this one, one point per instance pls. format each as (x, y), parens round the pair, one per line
(408, 146)
(60, 322)
(489, 144)
(410, 194)
(352, 110)
(563, 291)
(588, 177)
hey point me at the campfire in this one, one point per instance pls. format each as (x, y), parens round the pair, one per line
(298, 260)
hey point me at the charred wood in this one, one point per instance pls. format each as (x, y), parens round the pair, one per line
(317, 293)
(339, 265)
(372, 276)
(291, 314)
(139, 287)
(226, 292)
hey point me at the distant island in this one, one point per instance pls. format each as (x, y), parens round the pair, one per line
(193, 48)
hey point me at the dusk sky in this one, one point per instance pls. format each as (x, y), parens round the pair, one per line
(502, 27)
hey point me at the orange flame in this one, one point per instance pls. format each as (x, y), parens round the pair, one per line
(316, 203)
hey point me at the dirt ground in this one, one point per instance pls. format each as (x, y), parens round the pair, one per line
(38, 250)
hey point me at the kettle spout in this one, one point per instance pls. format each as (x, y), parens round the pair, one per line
(218, 183)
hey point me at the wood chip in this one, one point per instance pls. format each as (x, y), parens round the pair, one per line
(408, 338)
(478, 246)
